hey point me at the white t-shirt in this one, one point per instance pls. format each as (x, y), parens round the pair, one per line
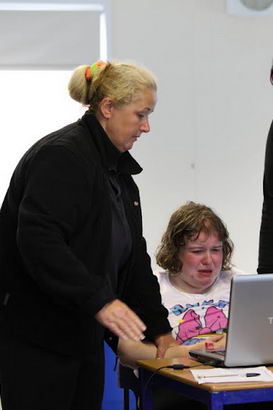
(192, 316)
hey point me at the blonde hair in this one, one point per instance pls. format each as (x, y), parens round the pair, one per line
(186, 223)
(122, 82)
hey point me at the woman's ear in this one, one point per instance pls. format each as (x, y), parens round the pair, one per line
(106, 107)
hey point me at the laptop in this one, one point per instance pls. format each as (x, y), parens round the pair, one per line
(250, 325)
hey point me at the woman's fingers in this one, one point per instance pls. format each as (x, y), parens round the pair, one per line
(121, 320)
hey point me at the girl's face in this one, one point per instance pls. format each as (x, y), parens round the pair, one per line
(202, 260)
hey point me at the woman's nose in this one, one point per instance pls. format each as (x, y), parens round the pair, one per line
(145, 126)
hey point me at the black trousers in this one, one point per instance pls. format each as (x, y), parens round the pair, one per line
(32, 378)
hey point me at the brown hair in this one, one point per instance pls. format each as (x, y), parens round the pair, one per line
(186, 223)
(122, 82)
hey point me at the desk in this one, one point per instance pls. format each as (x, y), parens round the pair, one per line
(214, 395)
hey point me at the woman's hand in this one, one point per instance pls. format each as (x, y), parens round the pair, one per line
(121, 320)
(163, 343)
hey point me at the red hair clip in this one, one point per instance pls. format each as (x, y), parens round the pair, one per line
(92, 69)
(88, 73)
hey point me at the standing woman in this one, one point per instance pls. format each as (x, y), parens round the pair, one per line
(72, 257)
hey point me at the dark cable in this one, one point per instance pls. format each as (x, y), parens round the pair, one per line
(177, 367)
(171, 366)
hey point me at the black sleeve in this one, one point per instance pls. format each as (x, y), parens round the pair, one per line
(142, 292)
(145, 290)
(56, 203)
(266, 230)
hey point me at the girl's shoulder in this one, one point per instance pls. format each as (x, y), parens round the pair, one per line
(234, 271)
(162, 276)
(227, 275)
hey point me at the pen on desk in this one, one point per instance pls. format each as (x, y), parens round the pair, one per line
(230, 375)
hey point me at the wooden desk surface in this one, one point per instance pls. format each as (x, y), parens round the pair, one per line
(185, 376)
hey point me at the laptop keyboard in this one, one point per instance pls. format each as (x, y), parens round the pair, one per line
(220, 352)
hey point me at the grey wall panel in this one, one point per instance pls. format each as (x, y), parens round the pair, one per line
(48, 39)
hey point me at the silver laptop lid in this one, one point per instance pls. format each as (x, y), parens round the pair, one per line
(250, 327)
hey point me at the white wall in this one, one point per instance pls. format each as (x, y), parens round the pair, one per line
(210, 125)
(214, 110)
(32, 104)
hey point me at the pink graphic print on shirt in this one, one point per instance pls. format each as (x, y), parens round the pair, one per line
(191, 325)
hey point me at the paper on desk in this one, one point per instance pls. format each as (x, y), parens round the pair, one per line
(232, 375)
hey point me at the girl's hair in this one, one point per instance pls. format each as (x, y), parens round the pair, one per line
(187, 223)
(122, 82)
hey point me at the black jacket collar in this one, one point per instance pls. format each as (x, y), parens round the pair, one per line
(112, 159)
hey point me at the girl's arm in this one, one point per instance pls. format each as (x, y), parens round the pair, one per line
(129, 351)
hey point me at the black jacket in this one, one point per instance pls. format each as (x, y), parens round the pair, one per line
(266, 229)
(55, 237)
